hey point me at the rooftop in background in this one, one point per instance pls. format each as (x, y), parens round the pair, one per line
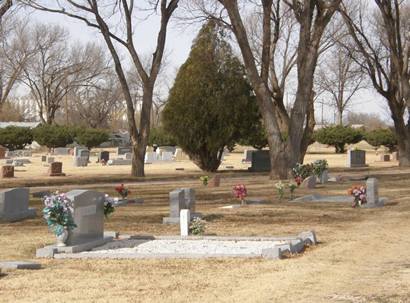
(19, 124)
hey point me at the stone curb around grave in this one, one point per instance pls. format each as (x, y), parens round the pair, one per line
(19, 265)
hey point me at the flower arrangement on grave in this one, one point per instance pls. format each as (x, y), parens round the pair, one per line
(292, 187)
(108, 206)
(280, 188)
(204, 180)
(359, 194)
(122, 190)
(301, 172)
(58, 213)
(197, 226)
(319, 166)
(103, 162)
(240, 192)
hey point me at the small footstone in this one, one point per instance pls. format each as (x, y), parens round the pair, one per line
(19, 265)
(179, 168)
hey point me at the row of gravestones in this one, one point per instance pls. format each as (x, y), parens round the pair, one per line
(260, 159)
(55, 170)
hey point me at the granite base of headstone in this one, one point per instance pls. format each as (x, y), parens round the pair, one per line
(14, 205)
(80, 161)
(395, 156)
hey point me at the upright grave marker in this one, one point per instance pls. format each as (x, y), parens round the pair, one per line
(356, 158)
(7, 171)
(372, 194)
(14, 205)
(56, 169)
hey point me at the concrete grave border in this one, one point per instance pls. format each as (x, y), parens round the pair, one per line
(295, 244)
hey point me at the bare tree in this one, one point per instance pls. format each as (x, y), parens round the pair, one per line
(115, 20)
(340, 78)
(382, 38)
(16, 49)
(285, 131)
(56, 68)
(95, 103)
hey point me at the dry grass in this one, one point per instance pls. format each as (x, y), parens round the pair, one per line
(363, 255)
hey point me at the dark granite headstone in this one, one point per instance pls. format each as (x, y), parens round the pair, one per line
(260, 161)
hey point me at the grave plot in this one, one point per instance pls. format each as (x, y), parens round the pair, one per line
(198, 247)
(372, 196)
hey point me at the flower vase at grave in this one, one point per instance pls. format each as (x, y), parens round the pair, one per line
(62, 238)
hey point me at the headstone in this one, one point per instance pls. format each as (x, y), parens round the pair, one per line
(7, 171)
(9, 161)
(84, 153)
(80, 161)
(122, 150)
(167, 156)
(128, 156)
(372, 192)
(14, 205)
(384, 158)
(104, 155)
(260, 161)
(356, 158)
(216, 181)
(88, 214)
(150, 157)
(3, 151)
(182, 198)
(56, 169)
(43, 158)
(184, 220)
(247, 155)
(17, 163)
(189, 195)
(77, 150)
(50, 160)
(176, 203)
(309, 182)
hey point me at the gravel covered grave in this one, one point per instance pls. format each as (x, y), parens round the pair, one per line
(200, 247)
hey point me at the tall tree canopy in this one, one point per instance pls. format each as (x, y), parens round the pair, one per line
(211, 105)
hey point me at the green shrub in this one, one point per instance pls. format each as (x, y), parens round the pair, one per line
(338, 136)
(53, 135)
(14, 137)
(211, 105)
(382, 136)
(160, 137)
(91, 137)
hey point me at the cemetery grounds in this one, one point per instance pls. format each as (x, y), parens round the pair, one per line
(363, 254)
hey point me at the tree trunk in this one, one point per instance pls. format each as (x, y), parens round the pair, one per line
(140, 141)
(309, 128)
(340, 117)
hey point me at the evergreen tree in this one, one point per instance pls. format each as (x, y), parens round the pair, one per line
(211, 105)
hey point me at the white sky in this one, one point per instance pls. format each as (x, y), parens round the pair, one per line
(177, 49)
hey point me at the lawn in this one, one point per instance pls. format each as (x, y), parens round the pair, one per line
(363, 255)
